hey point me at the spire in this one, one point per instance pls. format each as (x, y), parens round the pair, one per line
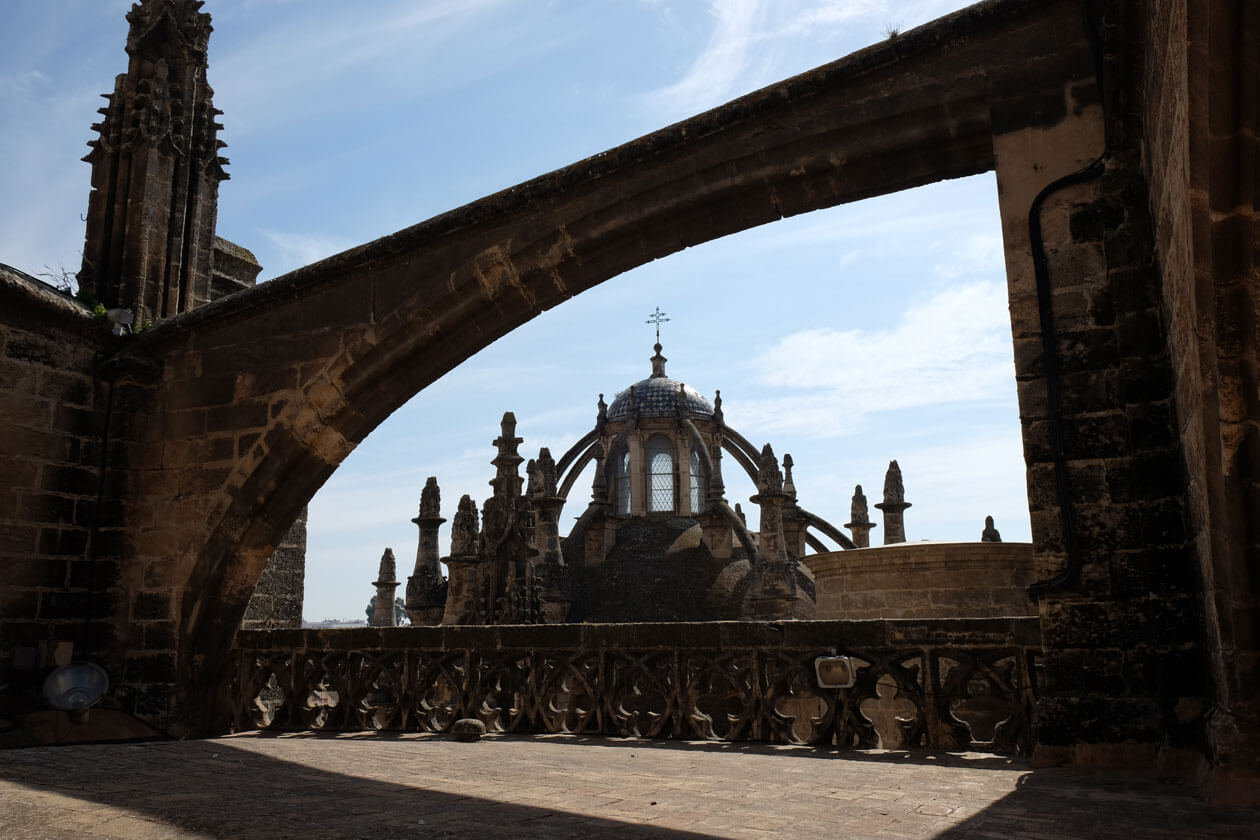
(426, 588)
(507, 482)
(156, 169)
(789, 486)
(601, 413)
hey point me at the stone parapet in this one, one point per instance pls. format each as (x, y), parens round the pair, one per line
(943, 684)
(925, 580)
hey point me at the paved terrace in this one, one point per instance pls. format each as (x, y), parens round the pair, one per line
(554, 787)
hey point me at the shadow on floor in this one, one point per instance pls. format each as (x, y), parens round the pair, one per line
(214, 789)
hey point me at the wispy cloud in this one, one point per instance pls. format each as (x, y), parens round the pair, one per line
(754, 42)
(951, 348)
(318, 66)
(722, 64)
(22, 82)
(295, 250)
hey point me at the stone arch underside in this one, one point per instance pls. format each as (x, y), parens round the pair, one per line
(296, 372)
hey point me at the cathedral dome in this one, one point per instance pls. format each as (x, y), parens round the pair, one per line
(658, 396)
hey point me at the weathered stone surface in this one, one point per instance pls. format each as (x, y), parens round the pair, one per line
(468, 730)
(1155, 358)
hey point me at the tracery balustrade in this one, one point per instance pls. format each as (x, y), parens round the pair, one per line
(946, 684)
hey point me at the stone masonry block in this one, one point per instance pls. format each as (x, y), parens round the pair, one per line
(150, 606)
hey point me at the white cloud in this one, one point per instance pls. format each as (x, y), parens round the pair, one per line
(324, 64)
(299, 249)
(977, 254)
(723, 63)
(22, 82)
(754, 42)
(953, 347)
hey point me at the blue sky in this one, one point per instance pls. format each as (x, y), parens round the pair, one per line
(845, 337)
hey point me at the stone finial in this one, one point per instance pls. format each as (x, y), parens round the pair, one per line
(633, 408)
(739, 511)
(601, 414)
(769, 478)
(718, 416)
(658, 362)
(542, 475)
(388, 569)
(531, 478)
(990, 534)
(894, 490)
(192, 25)
(431, 499)
(464, 528)
(789, 486)
(858, 510)
(860, 522)
(426, 587)
(894, 506)
(386, 584)
(506, 482)
(599, 485)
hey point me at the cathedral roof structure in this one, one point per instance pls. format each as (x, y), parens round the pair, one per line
(659, 396)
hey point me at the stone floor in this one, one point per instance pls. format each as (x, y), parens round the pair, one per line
(417, 786)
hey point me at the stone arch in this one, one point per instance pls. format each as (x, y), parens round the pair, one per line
(293, 374)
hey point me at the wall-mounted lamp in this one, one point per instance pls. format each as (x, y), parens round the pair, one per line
(834, 671)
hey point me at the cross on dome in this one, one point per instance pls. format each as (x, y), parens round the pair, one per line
(657, 318)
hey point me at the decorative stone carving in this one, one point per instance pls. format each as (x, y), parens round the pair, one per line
(156, 170)
(464, 604)
(386, 584)
(894, 506)
(426, 587)
(773, 592)
(595, 680)
(547, 584)
(859, 520)
(990, 534)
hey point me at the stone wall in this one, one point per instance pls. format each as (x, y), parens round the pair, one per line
(925, 580)
(57, 570)
(1195, 127)
(277, 599)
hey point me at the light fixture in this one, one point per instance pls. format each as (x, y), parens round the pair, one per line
(834, 671)
(75, 688)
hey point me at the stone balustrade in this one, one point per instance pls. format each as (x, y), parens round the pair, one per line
(946, 684)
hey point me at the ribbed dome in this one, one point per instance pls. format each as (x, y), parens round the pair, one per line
(658, 396)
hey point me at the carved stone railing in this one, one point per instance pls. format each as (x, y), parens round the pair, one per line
(946, 684)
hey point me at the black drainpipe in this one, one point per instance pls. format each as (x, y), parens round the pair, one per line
(1070, 574)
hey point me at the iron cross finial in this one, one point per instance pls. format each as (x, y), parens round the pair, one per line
(657, 318)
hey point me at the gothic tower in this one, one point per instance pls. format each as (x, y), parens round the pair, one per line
(156, 169)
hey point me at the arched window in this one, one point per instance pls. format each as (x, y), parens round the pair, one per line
(622, 492)
(697, 483)
(660, 475)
